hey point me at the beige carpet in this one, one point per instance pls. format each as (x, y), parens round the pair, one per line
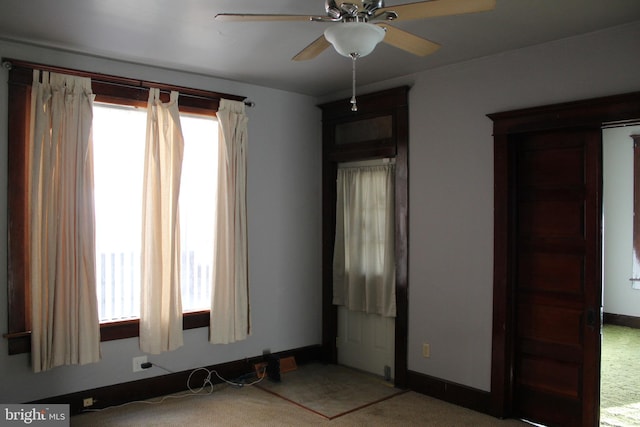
(252, 406)
(335, 391)
(620, 377)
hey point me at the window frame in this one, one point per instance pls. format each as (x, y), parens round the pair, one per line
(107, 89)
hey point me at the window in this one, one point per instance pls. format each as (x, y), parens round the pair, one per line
(364, 255)
(117, 95)
(118, 184)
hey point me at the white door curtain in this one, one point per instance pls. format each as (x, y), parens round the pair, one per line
(364, 251)
(65, 328)
(160, 293)
(230, 314)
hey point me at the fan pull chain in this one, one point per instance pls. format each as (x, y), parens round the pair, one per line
(354, 105)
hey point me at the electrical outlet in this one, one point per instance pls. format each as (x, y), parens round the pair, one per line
(137, 363)
(87, 401)
(426, 350)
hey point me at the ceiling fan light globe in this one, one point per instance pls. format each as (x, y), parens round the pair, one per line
(354, 38)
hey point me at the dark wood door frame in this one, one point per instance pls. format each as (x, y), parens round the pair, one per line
(592, 113)
(393, 103)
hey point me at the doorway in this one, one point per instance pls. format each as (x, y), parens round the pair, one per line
(619, 391)
(378, 130)
(547, 259)
(364, 266)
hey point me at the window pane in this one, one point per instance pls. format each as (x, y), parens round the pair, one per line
(119, 139)
(119, 143)
(198, 188)
(364, 130)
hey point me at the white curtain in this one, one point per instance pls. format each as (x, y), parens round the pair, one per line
(160, 296)
(230, 319)
(65, 328)
(364, 254)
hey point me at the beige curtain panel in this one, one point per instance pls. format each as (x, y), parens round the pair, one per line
(65, 325)
(230, 320)
(160, 295)
(364, 251)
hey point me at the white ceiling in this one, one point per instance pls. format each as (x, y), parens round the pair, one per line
(182, 34)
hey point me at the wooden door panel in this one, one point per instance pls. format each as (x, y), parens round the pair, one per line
(353, 329)
(556, 211)
(557, 218)
(560, 411)
(552, 164)
(366, 341)
(545, 323)
(551, 272)
(551, 376)
(560, 352)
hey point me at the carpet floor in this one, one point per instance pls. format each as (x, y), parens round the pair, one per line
(620, 377)
(316, 402)
(336, 391)
(337, 396)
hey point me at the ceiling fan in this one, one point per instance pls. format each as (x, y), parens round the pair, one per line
(361, 24)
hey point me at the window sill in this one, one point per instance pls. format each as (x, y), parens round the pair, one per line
(21, 342)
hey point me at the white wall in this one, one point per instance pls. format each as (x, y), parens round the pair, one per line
(618, 296)
(451, 178)
(451, 181)
(284, 226)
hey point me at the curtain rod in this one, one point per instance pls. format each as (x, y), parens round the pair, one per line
(367, 163)
(9, 64)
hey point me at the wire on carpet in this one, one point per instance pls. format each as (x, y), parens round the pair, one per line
(193, 391)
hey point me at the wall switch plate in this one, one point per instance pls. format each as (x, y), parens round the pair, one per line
(137, 363)
(426, 350)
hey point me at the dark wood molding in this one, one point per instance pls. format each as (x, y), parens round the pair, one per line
(451, 392)
(20, 342)
(582, 113)
(369, 105)
(502, 339)
(148, 388)
(402, 244)
(621, 320)
(635, 276)
(591, 113)
(394, 103)
(18, 229)
(115, 86)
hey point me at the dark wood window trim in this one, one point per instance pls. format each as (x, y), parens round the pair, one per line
(635, 277)
(109, 89)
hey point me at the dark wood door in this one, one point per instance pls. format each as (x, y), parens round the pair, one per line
(557, 276)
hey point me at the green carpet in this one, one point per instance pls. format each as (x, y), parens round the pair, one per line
(620, 377)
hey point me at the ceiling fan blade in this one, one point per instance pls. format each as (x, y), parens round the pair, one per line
(244, 17)
(434, 8)
(407, 41)
(314, 49)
